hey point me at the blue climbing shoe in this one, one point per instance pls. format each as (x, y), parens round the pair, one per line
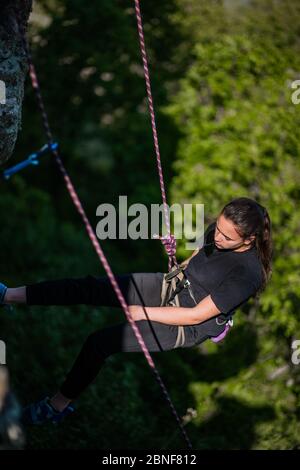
(41, 411)
(3, 289)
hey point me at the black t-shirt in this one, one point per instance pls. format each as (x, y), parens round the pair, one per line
(230, 277)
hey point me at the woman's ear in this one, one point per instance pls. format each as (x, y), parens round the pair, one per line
(250, 240)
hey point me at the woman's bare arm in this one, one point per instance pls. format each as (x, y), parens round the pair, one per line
(16, 295)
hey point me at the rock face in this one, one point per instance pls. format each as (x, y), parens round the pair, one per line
(11, 432)
(13, 68)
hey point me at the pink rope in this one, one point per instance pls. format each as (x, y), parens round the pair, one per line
(170, 242)
(95, 242)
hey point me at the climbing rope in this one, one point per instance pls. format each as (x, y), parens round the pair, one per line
(169, 241)
(95, 242)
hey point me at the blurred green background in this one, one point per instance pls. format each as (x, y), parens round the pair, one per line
(221, 76)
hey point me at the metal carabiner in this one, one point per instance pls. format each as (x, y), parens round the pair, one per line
(222, 323)
(226, 321)
(188, 285)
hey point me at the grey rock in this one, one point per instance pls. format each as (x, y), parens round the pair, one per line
(13, 69)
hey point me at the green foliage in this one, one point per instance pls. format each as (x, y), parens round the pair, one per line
(240, 136)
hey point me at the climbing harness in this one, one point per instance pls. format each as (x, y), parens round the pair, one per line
(174, 282)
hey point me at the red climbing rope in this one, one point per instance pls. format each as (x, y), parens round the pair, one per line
(91, 234)
(169, 241)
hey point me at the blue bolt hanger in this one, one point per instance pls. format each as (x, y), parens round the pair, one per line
(31, 160)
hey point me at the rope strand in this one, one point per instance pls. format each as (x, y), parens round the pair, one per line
(170, 238)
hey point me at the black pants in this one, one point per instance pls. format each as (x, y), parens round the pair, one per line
(137, 289)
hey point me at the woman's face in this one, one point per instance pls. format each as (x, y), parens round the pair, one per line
(227, 238)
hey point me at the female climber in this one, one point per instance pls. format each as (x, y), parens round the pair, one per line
(233, 265)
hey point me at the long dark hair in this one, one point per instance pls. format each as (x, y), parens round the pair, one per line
(251, 218)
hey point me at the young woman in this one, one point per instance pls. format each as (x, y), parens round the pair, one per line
(233, 265)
